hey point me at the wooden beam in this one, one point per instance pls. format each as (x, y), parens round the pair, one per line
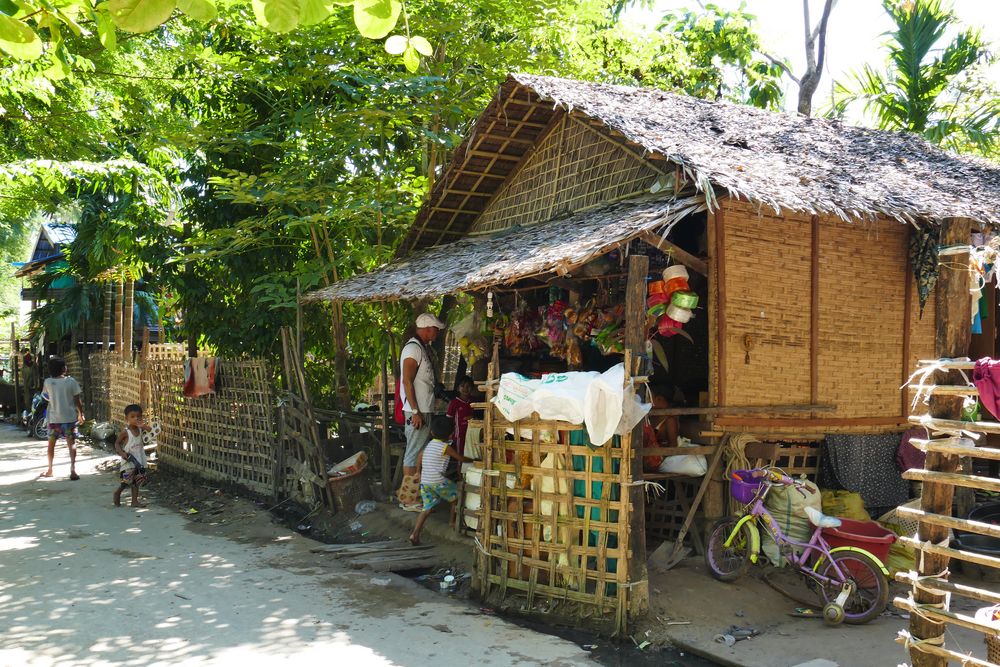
(677, 253)
(778, 422)
(952, 338)
(955, 447)
(963, 659)
(945, 616)
(635, 345)
(967, 525)
(945, 586)
(953, 479)
(814, 315)
(907, 308)
(955, 424)
(720, 276)
(742, 410)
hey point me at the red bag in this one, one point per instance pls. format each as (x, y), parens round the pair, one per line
(398, 407)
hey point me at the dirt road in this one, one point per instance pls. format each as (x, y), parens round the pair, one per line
(83, 583)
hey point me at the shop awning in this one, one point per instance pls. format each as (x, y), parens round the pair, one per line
(557, 246)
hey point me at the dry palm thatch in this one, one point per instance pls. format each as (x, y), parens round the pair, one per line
(556, 246)
(779, 161)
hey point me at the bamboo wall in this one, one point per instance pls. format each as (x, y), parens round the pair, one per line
(574, 167)
(817, 311)
(225, 437)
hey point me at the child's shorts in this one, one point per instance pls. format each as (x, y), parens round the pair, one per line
(62, 430)
(434, 494)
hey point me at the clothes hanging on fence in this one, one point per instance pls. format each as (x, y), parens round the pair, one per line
(865, 464)
(924, 260)
(986, 377)
(908, 456)
(200, 376)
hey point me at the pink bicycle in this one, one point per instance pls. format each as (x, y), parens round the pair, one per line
(852, 582)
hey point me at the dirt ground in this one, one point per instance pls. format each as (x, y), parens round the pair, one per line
(688, 593)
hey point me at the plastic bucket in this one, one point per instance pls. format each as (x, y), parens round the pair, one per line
(866, 535)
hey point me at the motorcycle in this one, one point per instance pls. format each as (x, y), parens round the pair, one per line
(37, 419)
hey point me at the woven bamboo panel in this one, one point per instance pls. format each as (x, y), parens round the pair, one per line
(767, 274)
(922, 331)
(862, 283)
(573, 168)
(159, 351)
(227, 436)
(665, 514)
(126, 389)
(565, 546)
(100, 385)
(862, 287)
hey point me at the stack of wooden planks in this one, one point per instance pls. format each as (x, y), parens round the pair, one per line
(385, 556)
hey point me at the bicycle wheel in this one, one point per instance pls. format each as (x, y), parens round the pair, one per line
(871, 588)
(728, 563)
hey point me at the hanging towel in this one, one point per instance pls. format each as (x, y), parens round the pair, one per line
(199, 376)
(986, 377)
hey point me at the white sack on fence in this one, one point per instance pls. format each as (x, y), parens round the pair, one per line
(561, 396)
(632, 412)
(683, 464)
(513, 398)
(605, 405)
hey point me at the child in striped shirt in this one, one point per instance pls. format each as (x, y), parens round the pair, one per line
(434, 486)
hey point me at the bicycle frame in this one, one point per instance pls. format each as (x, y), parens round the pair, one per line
(802, 553)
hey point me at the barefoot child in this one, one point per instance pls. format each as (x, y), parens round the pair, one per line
(434, 487)
(65, 411)
(130, 447)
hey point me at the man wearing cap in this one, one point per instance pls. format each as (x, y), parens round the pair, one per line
(416, 388)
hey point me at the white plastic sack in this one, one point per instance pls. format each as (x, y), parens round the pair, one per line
(604, 405)
(683, 464)
(513, 398)
(560, 395)
(632, 412)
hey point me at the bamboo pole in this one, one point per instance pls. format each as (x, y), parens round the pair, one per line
(107, 326)
(952, 340)
(127, 321)
(119, 302)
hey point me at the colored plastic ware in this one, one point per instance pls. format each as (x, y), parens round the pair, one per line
(866, 535)
(744, 489)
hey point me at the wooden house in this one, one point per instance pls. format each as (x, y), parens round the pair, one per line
(800, 227)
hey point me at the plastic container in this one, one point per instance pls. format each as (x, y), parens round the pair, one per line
(657, 299)
(681, 315)
(676, 285)
(688, 300)
(866, 535)
(675, 271)
(744, 492)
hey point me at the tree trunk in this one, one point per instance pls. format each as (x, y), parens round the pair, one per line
(108, 323)
(952, 340)
(814, 57)
(119, 304)
(127, 320)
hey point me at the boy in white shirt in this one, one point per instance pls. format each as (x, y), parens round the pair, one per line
(434, 486)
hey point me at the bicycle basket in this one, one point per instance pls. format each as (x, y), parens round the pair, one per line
(744, 492)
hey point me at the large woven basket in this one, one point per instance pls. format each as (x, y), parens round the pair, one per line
(908, 525)
(985, 615)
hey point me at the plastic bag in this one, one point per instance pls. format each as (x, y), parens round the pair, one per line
(844, 504)
(561, 396)
(633, 412)
(604, 404)
(513, 398)
(684, 464)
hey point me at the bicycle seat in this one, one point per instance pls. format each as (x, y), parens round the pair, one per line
(817, 518)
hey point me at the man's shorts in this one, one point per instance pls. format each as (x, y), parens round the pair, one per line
(434, 494)
(62, 430)
(416, 439)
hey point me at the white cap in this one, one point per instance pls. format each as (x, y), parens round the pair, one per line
(428, 320)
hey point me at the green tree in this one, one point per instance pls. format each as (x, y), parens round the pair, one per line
(930, 88)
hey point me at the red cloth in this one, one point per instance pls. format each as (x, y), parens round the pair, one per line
(461, 412)
(908, 456)
(199, 376)
(986, 377)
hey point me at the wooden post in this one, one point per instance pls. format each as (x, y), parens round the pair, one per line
(15, 346)
(635, 342)
(951, 340)
(386, 420)
(119, 302)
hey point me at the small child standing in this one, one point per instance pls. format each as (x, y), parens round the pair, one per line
(434, 486)
(460, 409)
(131, 448)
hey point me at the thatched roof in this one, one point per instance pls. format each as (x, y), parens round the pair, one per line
(777, 160)
(557, 246)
